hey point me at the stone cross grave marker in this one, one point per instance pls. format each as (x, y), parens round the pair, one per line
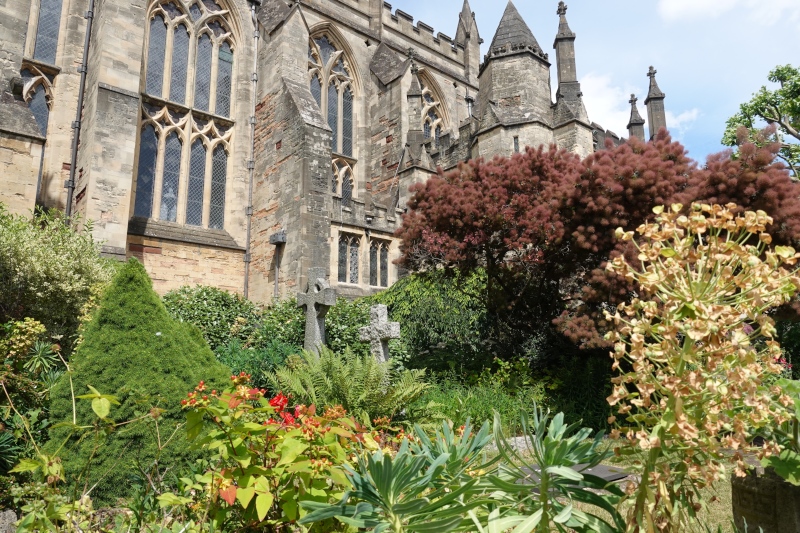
(379, 331)
(318, 298)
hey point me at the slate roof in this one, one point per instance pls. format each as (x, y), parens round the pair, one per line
(513, 31)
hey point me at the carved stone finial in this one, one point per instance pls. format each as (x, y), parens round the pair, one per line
(652, 72)
(562, 9)
(633, 100)
(412, 54)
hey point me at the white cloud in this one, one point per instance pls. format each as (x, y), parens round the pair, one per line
(765, 12)
(681, 123)
(607, 104)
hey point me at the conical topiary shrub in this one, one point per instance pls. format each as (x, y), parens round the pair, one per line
(134, 350)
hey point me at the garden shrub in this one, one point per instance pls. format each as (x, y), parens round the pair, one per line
(134, 350)
(283, 321)
(366, 388)
(219, 315)
(49, 271)
(257, 362)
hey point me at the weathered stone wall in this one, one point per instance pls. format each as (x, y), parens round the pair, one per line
(173, 264)
(19, 170)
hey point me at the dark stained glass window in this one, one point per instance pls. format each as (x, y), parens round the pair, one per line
(438, 135)
(316, 90)
(219, 172)
(326, 49)
(155, 56)
(427, 130)
(224, 80)
(195, 12)
(169, 182)
(333, 115)
(347, 123)
(384, 265)
(335, 180)
(180, 64)
(47, 31)
(354, 260)
(197, 178)
(41, 112)
(516, 145)
(342, 258)
(145, 177)
(373, 263)
(202, 86)
(347, 188)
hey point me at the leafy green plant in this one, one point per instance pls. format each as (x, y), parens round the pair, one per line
(258, 362)
(134, 348)
(283, 321)
(49, 271)
(541, 483)
(219, 315)
(366, 388)
(427, 486)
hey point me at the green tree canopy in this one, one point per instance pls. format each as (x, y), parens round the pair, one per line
(134, 350)
(777, 107)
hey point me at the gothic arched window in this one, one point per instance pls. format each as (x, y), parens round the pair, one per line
(379, 263)
(183, 153)
(342, 181)
(349, 258)
(431, 116)
(47, 29)
(331, 85)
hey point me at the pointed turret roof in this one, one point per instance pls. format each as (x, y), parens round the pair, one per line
(514, 31)
(564, 31)
(655, 91)
(636, 118)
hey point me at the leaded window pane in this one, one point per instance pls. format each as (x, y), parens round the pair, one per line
(347, 123)
(333, 115)
(219, 173)
(180, 64)
(47, 31)
(169, 182)
(373, 264)
(197, 179)
(145, 177)
(335, 179)
(202, 86)
(41, 112)
(384, 266)
(326, 49)
(195, 12)
(438, 135)
(354, 260)
(339, 66)
(342, 259)
(347, 189)
(155, 56)
(426, 128)
(316, 90)
(224, 80)
(428, 98)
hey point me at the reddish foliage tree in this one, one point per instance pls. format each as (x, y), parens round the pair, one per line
(541, 223)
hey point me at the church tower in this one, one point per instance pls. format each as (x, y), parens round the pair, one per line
(571, 122)
(514, 100)
(656, 115)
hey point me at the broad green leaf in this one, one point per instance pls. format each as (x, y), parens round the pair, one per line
(530, 523)
(263, 504)
(564, 515)
(26, 465)
(244, 495)
(101, 407)
(564, 472)
(194, 424)
(786, 465)
(290, 449)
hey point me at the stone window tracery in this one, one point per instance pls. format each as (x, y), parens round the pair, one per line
(331, 84)
(349, 258)
(379, 263)
(37, 91)
(186, 136)
(342, 181)
(431, 116)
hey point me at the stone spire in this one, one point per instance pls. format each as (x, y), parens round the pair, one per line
(415, 138)
(656, 114)
(514, 36)
(564, 46)
(467, 36)
(563, 25)
(636, 123)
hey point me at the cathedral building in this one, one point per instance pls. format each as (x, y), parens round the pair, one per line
(238, 143)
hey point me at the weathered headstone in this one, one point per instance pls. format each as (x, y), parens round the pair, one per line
(765, 501)
(7, 521)
(379, 331)
(318, 298)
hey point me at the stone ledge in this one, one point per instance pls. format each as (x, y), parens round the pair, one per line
(118, 90)
(180, 233)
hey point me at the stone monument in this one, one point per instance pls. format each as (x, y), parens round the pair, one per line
(318, 298)
(379, 331)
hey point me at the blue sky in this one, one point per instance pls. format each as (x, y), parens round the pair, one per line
(710, 55)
